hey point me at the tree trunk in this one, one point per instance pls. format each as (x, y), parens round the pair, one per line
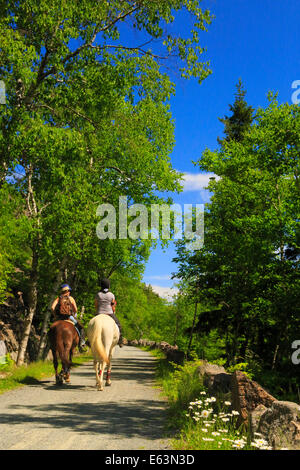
(33, 291)
(192, 330)
(178, 318)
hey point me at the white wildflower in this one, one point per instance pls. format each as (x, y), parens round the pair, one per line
(259, 443)
(238, 445)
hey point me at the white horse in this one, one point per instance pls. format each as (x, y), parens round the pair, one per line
(103, 335)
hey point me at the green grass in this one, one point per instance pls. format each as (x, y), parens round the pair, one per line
(189, 402)
(12, 377)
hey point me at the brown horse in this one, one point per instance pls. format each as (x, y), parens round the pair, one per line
(63, 341)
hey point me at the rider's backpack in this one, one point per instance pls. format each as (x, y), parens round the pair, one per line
(65, 306)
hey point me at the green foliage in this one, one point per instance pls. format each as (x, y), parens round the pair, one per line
(243, 367)
(239, 123)
(247, 273)
(211, 347)
(181, 384)
(7, 365)
(31, 374)
(87, 120)
(14, 233)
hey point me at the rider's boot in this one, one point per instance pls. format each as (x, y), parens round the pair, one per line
(81, 344)
(120, 343)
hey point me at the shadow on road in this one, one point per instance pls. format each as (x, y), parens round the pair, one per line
(129, 418)
(139, 418)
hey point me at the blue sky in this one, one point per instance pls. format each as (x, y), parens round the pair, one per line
(257, 40)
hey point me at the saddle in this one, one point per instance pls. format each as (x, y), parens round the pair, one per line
(70, 321)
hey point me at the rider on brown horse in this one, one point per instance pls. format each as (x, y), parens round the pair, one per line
(64, 308)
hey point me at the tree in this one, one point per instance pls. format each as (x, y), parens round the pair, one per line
(245, 269)
(52, 51)
(241, 119)
(86, 120)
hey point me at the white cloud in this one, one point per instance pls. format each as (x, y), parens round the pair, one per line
(197, 181)
(164, 277)
(165, 292)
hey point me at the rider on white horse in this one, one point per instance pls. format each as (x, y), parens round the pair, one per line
(105, 303)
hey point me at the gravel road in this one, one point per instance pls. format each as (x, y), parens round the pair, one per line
(130, 414)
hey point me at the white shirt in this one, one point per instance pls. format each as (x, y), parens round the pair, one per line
(104, 300)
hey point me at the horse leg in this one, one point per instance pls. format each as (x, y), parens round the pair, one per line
(66, 373)
(98, 373)
(103, 364)
(108, 381)
(55, 365)
(68, 368)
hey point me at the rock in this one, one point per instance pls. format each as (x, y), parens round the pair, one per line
(174, 355)
(8, 336)
(163, 345)
(215, 378)
(133, 342)
(210, 369)
(254, 418)
(221, 384)
(246, 395)
(280, 425)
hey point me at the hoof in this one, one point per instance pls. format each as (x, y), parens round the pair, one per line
(108, 384)
(100, 389)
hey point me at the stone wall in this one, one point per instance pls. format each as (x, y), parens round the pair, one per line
(278, 422)
(172, 353)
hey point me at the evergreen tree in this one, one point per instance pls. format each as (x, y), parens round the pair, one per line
(241, 119)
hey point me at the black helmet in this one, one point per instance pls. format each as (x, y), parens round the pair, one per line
(105, 284)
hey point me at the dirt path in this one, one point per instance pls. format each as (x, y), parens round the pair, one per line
(128, 415)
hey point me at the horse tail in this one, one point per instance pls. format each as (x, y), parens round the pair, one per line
(64, 355)
(94, 334)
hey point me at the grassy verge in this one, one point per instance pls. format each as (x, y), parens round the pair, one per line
(199, 421)
(12, 377)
